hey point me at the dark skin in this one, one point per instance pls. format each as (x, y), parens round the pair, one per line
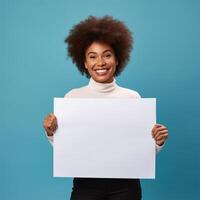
(50, 124)
(101, 64)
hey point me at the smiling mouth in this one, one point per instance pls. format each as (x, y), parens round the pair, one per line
(101, 71)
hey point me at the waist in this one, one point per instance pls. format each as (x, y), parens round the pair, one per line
(105, 183)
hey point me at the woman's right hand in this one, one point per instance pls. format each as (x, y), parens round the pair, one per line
(50, 124)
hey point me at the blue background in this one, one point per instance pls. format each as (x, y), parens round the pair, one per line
(34, 68)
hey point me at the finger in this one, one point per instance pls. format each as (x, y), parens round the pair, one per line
(48, 128)
(160, 129)
(161, 141)
(54, 127)
(157, 130)
(47, 120)
(159, 125)
(161, 137)
(161, 133)
(49, 132)
(49, 124)
(153, 130)
(50, 117)
(54, 121)
(156, 126)
(46, 125)
(51, 120)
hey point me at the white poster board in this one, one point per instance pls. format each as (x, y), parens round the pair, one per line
(104, 138)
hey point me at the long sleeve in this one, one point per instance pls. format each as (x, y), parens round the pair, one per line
(158, 148)
(50, 138)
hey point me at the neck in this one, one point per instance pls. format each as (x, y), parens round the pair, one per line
(102, 87)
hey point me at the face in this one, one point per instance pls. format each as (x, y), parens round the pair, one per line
(100, 62)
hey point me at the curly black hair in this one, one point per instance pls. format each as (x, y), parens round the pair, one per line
(105, 29)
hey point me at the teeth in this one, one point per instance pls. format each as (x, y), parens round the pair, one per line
(101, 70)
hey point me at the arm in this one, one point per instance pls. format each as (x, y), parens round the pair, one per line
(159, 148)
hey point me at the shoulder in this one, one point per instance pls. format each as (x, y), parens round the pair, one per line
(77, 92)
(129, 92)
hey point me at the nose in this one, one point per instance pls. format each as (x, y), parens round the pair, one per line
(100, 62)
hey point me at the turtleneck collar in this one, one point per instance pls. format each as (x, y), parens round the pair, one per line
(102, 87)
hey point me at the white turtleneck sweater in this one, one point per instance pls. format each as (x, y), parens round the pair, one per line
(102, 90)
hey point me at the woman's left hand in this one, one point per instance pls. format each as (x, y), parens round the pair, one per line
(160, 134)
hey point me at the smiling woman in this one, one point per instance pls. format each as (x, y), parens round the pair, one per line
(100, 48)
(106, 30)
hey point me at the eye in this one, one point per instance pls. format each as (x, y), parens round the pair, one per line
(92, 57)
(108, 55)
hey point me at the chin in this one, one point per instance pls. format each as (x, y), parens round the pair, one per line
(103, 79)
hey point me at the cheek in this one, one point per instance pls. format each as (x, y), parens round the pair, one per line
(87, 66)
(90, 65)
(113, 64)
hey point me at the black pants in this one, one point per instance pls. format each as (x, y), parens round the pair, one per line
(106, 189)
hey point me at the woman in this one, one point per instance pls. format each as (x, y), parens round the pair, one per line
(100, 48)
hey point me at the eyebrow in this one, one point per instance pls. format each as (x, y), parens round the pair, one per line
(103, 51)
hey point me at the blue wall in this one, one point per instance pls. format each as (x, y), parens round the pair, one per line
(34, 68)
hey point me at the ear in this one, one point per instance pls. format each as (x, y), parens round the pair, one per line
(85, 65)
(117, 62)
